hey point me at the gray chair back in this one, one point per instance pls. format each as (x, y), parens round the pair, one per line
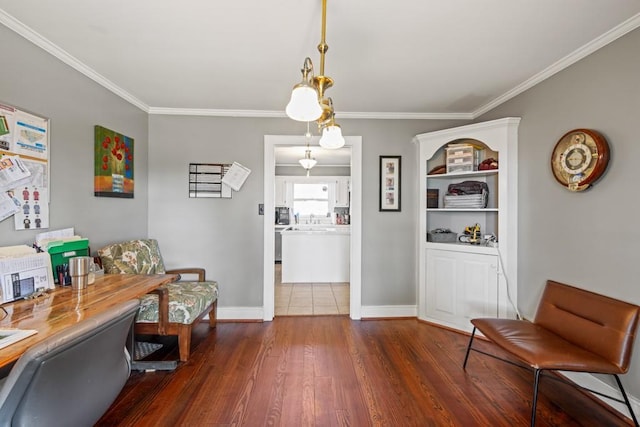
(72, 377)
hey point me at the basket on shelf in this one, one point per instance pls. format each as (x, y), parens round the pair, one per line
(467, 195)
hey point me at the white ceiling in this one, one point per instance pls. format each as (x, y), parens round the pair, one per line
(400, 59)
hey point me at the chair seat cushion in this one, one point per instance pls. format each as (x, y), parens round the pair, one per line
(540, 348)
(187, 300)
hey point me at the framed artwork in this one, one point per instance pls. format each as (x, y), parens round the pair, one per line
(390, 183)
(113, 164)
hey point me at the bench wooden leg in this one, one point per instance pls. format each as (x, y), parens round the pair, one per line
(184, 342)
(213, 315)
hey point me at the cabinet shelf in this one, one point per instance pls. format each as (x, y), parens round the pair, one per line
(464, 174)
(462, 210)
(462, 247)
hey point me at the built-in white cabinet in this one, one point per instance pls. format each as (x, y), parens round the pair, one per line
(342, 192)
(459, 281)
(464, 285)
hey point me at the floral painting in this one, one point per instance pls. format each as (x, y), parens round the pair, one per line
(113, 164)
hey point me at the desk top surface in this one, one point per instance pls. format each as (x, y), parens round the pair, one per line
(64, 306)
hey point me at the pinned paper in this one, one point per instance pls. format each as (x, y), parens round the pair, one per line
(236, 176)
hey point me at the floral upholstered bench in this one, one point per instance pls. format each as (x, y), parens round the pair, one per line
(172, 309)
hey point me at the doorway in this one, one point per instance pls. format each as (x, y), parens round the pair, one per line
(355, 250)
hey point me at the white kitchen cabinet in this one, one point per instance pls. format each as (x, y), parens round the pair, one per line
(464, 286)
(282, 192)
(342, 192)
(454, 285)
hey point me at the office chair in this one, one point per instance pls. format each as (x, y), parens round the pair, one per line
(72, 377)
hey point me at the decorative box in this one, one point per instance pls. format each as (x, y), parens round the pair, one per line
(432, 197)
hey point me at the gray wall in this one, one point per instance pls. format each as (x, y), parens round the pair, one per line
(32, 80)
(225, 236)
(587, 239)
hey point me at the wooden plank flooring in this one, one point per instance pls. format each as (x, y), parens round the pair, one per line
(332, 371)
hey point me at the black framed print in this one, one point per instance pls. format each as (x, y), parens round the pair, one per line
(390, 183)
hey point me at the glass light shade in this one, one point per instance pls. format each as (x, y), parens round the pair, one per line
(332, 137)
(308, 163)
(303, 105)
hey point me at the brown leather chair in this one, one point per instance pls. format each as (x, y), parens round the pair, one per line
(573, 330)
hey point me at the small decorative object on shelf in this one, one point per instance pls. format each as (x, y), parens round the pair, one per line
(438, 170)
(488, 164)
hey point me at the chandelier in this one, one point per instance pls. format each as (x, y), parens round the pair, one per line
(308, 102)
(307, 162)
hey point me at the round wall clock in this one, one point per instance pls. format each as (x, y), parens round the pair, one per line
(579, 158)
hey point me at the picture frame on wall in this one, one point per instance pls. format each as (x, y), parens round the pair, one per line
(390, 185)
(113, 164)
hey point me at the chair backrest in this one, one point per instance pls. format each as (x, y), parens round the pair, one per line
(140, 256)
(72, 377)
(601, 324)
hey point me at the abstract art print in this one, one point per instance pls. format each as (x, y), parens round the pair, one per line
(113, 164)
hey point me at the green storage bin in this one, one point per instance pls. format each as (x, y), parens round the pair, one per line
(61, 252)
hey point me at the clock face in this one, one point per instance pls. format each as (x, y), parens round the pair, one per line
(579, 158)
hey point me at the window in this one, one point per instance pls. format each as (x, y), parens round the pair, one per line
(311, 199)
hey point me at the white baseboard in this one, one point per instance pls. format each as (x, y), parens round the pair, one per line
(371, 311)
(387, 311)
(240, 313)
(594, 383)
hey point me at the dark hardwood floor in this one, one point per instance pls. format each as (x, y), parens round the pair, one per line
(332, 371)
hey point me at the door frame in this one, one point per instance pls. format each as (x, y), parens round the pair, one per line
(355, 275)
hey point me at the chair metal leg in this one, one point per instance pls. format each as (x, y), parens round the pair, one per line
(534, 403)
(466, 356)
(626, 400)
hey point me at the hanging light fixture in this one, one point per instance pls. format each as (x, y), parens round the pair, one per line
(307, 101)
(308, 162)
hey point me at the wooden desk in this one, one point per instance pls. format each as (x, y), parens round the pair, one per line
(65, 306)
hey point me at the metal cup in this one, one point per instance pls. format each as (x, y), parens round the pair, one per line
(79, 268)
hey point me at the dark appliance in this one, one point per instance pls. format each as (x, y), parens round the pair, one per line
(282, 216)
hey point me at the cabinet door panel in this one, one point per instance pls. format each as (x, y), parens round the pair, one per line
(460, 286)
(441, 297)
(479, 286)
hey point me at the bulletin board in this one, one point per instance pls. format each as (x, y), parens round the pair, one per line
(24, 168)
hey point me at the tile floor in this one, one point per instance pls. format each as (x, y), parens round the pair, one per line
(305, 299)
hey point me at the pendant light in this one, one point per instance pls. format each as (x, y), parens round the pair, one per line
(307, 101)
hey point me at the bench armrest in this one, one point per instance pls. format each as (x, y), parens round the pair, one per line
(199, 271)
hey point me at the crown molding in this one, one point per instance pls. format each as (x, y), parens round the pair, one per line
(64, 56)
(281, 114)
(580, 53)
(40, 41)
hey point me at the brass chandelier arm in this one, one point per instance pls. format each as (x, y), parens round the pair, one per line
(323, 47)
(304, 106)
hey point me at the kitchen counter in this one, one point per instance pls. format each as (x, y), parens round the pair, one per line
(323, 229)
(316, 253)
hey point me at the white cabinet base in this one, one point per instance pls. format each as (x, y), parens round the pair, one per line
(463, 286)
(315, 257)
